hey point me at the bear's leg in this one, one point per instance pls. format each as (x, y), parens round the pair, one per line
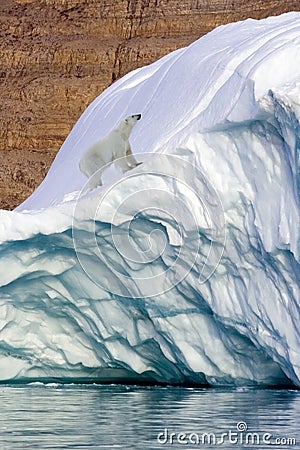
(95, 180)
(122, 164)
(130, 159)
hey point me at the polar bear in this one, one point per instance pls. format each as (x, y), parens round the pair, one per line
(114, 147)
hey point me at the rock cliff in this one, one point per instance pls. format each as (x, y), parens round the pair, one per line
(56, 56)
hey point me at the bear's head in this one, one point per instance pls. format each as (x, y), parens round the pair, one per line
(126, 125)
(131, 120)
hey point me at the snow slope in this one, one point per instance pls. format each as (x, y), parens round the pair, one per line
(186, 269)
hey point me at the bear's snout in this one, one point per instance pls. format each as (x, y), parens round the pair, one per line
(137, 116)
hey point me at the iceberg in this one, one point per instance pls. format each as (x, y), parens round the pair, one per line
(186, 268)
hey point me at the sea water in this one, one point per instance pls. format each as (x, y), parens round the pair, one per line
(55, 416)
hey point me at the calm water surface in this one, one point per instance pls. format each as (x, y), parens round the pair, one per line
(86, 417)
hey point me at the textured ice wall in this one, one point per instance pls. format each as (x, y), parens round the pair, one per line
(186, 269)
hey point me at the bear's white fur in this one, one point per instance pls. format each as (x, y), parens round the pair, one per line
(114, 147)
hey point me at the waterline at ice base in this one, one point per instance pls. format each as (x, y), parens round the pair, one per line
(184, 269)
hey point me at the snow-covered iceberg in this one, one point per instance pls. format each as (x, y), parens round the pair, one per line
(185, 269)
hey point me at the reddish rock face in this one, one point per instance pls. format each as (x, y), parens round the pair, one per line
(56, 56)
